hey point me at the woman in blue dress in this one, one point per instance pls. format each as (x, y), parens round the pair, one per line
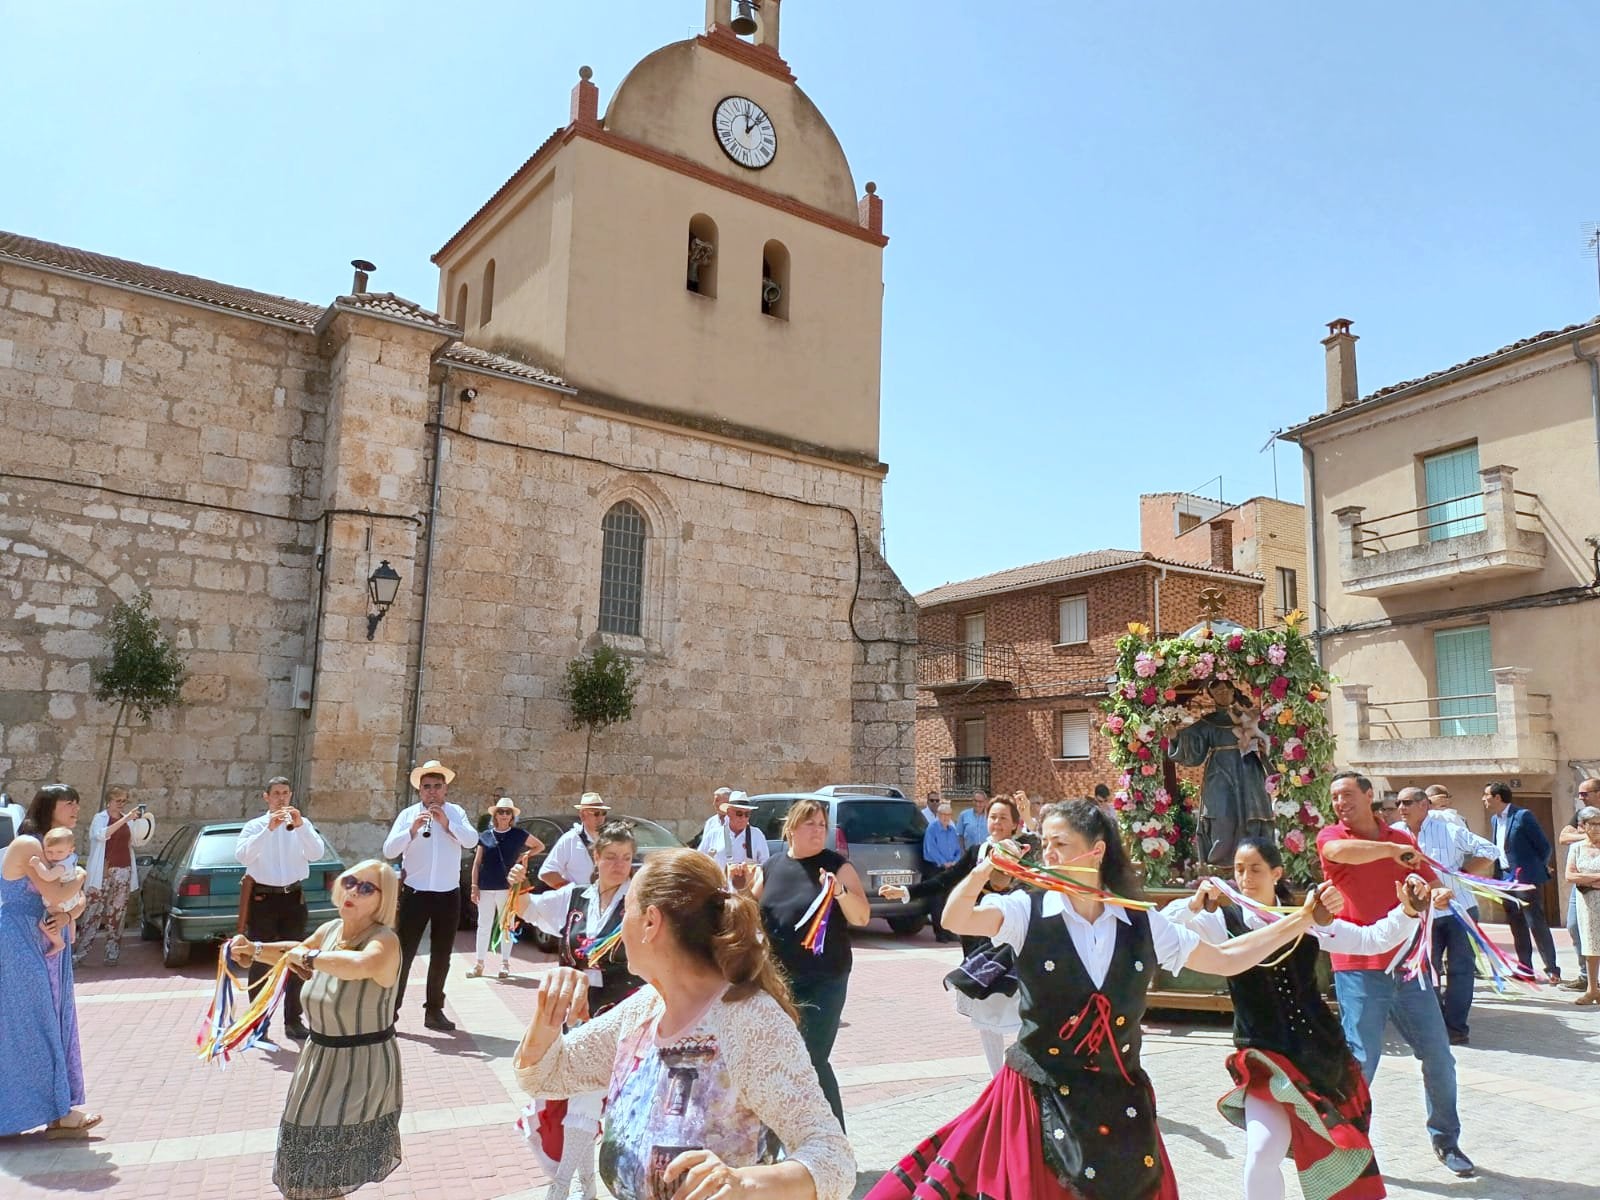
(39, 1035)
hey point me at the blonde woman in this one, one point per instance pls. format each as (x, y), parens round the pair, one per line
(341, 1124)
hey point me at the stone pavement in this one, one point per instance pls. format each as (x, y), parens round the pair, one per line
(1529, 1099)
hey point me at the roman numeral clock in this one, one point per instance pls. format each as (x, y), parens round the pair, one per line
(745, 132)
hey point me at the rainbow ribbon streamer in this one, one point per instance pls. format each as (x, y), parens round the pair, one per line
(1498, 890)
(815, 919)
(505, 920)
(597, 950)
(1059, 879)
(1268, 913)
(1504, 971)
(224, 1033)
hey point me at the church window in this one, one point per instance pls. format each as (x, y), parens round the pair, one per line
(775, 280)
(461, 306)
(623, 533)
(486, 305)
(702, 269)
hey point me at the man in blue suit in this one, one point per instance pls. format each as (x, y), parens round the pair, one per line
(1524, 853)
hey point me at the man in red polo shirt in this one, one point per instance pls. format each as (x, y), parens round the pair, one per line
(1365, 858)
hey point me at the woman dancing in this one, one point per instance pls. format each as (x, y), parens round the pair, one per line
(1072, 1113)
(1297, 1090)
(587, 918)
(709, 1077)
(985, 983)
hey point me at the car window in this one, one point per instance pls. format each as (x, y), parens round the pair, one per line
(215, 849)
(176, 844)
(880, 821)
(769, 815)
(547, 831)
(647, 835)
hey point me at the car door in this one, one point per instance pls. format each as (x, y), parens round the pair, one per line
(155, 887)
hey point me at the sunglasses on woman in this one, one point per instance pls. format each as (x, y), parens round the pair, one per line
(361, 887)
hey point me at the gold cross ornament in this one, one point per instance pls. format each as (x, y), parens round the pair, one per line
(1211, 601)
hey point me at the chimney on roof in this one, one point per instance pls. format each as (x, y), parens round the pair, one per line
(1221, 543)
(1340, 345)
(363, 269)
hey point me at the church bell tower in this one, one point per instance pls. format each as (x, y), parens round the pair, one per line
(699, 247)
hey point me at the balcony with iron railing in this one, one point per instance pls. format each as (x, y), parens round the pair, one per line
(1498, 531)
(960, 777)
(1507, 731)
(965, 665)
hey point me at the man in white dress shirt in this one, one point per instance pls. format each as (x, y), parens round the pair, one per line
(277, 850)
(711, 831)
(1441, 805)
(428, 839)
(742, 845)
(571, 859)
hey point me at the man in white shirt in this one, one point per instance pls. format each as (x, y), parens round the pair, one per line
(742, 845)
(277, 850)
(428, 839)
(711, 831)
(571, 859)
(1452, 844)
(1440, 803)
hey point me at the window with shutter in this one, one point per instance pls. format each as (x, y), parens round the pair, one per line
(1074, 735)
(972, 634)
(973, 737)
(1074, 622)
(1461, 663)
(1454, 494)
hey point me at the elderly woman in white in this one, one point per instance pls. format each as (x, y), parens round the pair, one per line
(116, 832)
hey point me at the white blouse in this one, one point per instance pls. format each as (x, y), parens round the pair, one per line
(1336, 937)
(1093, 940)
(739, 1072)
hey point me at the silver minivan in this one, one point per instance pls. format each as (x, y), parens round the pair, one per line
(876, 827)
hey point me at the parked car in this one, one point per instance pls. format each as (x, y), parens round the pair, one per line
(189, 890)
(877, 828)
(649, 837)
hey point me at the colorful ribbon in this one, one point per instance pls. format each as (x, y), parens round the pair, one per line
(1060, 880)
(597, 950)
(1481, 886)
(1503, 970)
(223, 1033)
(815, 919)
(505, 919)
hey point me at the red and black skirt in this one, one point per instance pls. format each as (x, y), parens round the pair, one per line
(1329, 1136)
(995, 1151)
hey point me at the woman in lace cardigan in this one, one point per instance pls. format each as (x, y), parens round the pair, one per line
(708, 1076)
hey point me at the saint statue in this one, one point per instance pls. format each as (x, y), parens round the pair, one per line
(1230, 744)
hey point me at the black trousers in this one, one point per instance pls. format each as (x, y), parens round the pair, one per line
(440, 913)
(1529, 919)
(278, 917)
(936, 905)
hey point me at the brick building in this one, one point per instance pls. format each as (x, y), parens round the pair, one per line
(569, 456)
(1268, 539)
(1013, 665)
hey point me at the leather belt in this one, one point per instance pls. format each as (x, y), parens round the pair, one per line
(352, 1039)
(285, 890)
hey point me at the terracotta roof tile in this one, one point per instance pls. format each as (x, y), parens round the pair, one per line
(33, 252)
(471, 356)
(387, 304)
(1053, 570)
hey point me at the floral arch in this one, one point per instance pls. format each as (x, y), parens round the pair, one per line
(1277, 671)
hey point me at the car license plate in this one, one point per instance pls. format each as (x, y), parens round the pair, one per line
(894, 878)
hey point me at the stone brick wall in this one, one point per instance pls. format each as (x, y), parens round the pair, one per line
(1022, 736)
(133, 425)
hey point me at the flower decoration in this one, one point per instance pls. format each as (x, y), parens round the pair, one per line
(1278, 670)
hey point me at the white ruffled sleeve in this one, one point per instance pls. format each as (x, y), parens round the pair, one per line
(772, 1071)
(582, 1059)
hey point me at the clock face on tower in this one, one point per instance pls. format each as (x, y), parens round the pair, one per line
(745, 132)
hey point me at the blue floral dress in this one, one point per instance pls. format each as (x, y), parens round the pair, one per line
(39, 1033)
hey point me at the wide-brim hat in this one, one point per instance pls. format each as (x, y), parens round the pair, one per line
(432, 767)
(592, 800)
(505, 804)
(741, 801)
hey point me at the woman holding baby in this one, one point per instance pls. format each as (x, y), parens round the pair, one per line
(39, 1036)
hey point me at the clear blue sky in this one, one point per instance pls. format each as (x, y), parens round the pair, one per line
(1117, 229)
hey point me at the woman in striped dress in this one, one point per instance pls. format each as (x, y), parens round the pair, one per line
(341, 1124)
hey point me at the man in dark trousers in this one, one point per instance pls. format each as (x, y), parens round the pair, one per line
(277, 850)
(428, 839)
(1524, 858)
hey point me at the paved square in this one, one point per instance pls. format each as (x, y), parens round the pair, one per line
(1529, 1091)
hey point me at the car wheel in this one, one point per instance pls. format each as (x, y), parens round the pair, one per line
(541, 941)
(174, 950)
(148, 932)
(906, 926)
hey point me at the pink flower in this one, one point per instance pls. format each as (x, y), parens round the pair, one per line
(1276, 654)
(1170, 694)
(1294, 750)
(1125, 780)
(1236, 642)
(1161, 806)
(1279, 687)
(1147, 769)
(1145, 664)
(1148, 696)
(1114, 723)
(1294, 841)
(1129, 691)
(1274, 782)
(1143, 752)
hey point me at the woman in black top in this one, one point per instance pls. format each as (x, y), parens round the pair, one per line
(500, 847)
(787, 887)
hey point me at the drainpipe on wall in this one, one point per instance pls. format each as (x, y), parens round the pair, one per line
(1314, 515)
(427, 579)
(1594, 392)
(1157, 622)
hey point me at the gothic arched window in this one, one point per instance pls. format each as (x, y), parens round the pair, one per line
(623, 533)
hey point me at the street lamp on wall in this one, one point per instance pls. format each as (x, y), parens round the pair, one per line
(383, 585)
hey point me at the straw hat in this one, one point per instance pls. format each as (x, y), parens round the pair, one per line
(505, 804)
(432, 767)
(741, 801)
(592, 800)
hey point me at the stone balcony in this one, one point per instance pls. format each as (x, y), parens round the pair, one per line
(1494, 532)
(1506, 732)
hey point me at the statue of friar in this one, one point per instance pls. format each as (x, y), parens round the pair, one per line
(1230, 743)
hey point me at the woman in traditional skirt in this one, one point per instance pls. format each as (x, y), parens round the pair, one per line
(1072, 1114)
(1297, 1090)
(341, 1124)
(587, 920)
(985, 983)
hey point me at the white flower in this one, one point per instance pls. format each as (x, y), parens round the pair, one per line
(1285, 808)
(1151, 845)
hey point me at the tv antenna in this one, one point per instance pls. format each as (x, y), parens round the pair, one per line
(1591, 245)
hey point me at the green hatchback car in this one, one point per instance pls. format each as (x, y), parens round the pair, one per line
(189, 891)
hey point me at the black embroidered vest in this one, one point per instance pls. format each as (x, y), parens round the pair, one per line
(617, 983)
(1079, 1047)
(1279, 1008)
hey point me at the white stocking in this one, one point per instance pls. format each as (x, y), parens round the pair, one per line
(1266, 1131)
(578, 1134)
(994, 1048)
